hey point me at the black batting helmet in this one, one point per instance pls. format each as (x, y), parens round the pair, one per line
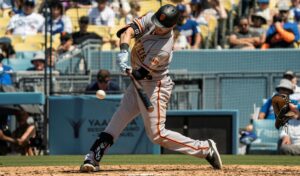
(166, 16)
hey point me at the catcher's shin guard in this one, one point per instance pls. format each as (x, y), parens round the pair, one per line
(104, 141)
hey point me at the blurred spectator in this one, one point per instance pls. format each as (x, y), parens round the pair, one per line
(188, 28)
(216, 9)
(23, 133)
(197, 12)
(6, 47)
(247, 6)
(258, 20)
(83, 3)
(5, 4)
(264, 9)
(244, 38)
(83, 35)
(17, 8)
(5, 70)
(66, 44)
(120, 7)
(285, 87)
(247, 136)
(27, 22)
(20, 139)
(51, 57)
(102, 14)
(295, 11)
(290, 75)
(38, 62)
(5, 136)
(103, 82)
(60, 22)
(186, 3)
(282, 34)
(289, 143)
(180, 41)
(134, 12)
(65, 3)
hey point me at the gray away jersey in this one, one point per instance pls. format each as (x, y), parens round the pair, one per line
(153, 52)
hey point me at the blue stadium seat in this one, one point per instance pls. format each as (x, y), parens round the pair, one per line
(18, 64)
(70, 65)
(267, 137)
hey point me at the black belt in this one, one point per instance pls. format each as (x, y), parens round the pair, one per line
(149, 77)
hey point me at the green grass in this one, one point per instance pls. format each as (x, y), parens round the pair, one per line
(147, 159)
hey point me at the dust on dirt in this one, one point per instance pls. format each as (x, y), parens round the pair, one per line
(154, 170)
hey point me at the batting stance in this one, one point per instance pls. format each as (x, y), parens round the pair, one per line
(150, 59)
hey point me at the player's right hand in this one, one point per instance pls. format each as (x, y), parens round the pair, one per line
(124, 67)
(122, 59)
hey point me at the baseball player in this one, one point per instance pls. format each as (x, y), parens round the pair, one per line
(150, 59)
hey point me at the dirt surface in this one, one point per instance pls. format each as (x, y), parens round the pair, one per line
(154, 170)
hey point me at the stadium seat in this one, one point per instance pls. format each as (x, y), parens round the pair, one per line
(204, 35)
(267, 137)
(121, 22)
(4, 22)
(164, 2)
(147, 6)
(76, 13)
(15, 39)
(228, 5)
(5, 13)
(27, 47)
(56, 40)
(18, 64)
(68, 65)
(212, 23)
(113, 31)
(208, 32)
(38, 39)
(106, 47)
(2, 32)
(75, 25)
(103, 31)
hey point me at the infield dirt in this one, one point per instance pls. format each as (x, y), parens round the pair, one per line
(154, 170)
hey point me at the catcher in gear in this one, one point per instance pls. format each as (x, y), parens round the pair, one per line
(281, 103)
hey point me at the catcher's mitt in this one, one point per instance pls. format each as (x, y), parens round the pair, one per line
(280, 103)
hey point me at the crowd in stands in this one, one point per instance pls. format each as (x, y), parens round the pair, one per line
(260, 25)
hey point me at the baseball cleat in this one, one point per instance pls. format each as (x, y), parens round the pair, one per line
(213, 156)
(89, 166)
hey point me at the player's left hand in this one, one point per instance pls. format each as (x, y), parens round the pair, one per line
(122, 56)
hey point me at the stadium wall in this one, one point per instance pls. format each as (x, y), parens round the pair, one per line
(229, 79)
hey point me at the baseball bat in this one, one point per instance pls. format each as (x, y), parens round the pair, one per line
(145, 99)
